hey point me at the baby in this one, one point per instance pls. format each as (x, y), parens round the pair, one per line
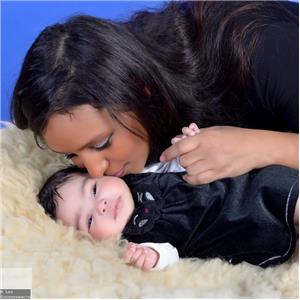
(247, 218)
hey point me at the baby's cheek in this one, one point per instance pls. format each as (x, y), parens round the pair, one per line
(103, 231)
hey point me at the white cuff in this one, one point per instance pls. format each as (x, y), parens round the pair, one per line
(168, 255)
(164, 167)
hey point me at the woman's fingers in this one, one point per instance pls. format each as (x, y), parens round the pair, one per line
(177, 138)
(201, 178)
(198, 167)
(190, 158)
(179, 148)
(220, 151)
(199, 171)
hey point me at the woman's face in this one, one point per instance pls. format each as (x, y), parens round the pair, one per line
(94, 140)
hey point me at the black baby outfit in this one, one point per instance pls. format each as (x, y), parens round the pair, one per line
(247, 218)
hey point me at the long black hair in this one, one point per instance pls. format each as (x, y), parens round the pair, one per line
(188, 62)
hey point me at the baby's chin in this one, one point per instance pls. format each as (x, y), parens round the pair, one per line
(98, 236)
(95, 239)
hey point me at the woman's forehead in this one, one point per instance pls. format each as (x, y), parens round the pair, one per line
(84, 126)
(81, 125)
(80, 116)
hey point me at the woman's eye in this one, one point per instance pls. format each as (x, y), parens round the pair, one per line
(94, 191)
(90, 222)
(104, 144)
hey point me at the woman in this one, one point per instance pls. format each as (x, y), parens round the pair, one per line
(111, 95)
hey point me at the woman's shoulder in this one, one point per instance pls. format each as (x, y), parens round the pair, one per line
(277, 48)
(274, 71)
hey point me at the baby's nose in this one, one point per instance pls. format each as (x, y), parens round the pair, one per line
(102, 207)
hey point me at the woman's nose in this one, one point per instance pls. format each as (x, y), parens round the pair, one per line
(96, 167)
(101, 207)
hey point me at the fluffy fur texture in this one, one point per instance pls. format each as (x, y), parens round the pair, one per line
(66, 265)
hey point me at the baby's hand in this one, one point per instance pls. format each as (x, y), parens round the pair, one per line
(186, 131)
(140, 256)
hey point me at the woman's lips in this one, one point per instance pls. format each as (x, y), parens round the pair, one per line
(120, 173)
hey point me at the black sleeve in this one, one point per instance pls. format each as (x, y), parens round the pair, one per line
(275, 73)
(256, 220)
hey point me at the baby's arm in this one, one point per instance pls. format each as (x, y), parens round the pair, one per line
(151, 256)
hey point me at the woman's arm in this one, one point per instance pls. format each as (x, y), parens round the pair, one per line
(224, 151)
(286, 153)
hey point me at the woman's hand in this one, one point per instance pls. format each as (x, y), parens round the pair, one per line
(223, 151)
(140, 256)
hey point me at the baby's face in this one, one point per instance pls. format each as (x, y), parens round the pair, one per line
(100, 206)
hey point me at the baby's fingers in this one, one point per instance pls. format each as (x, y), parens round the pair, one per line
(194, 127)
(128, 255)
(177, 138)
(188, 131)
(140, 261)
(135, 255)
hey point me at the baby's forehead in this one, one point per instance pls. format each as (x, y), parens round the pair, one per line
(76, 176)
(73, 181)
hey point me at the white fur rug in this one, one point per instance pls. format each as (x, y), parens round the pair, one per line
(65, 265)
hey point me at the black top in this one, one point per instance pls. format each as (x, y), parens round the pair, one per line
(246, 218)
(276, 80)
(274, 93)
(271, 101)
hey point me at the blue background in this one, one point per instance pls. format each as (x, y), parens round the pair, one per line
(22, 21)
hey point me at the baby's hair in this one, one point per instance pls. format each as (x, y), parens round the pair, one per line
(48, 194)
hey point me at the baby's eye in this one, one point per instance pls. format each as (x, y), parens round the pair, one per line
(90, 222)
(94, 191)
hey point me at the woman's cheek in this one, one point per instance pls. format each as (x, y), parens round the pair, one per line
(77, 161)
